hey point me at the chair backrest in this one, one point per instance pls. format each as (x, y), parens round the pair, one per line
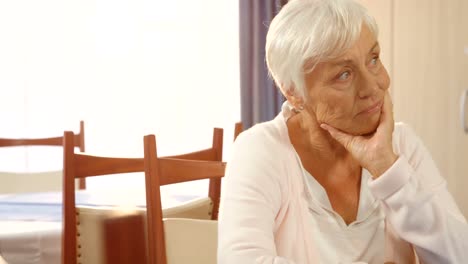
(215, 153)
(238, 128)
(78, 141)
(24, 182)
(79, 166)
(125, 239)
(169, 170)
(190, 241)
(110, 235)
(95, 225)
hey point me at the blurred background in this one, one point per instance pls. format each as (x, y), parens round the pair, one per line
(179, 68)
(127, 68)
(425, 49)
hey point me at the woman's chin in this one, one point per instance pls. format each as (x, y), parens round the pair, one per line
(369, 126)
(358, 127)
(363, 130)
(368, 129)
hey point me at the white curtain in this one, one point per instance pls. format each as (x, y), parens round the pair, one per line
(126, 67)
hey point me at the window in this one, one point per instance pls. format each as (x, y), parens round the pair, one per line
(127, 68)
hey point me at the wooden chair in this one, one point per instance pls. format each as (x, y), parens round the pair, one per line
(215, 153)
(79, 166)
(238, 128)
(162, 171)
(95, 225)
(78, 141)
(192, 241)
(125, 239)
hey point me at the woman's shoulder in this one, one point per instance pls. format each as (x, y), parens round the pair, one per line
(261, 151)
(263, 137)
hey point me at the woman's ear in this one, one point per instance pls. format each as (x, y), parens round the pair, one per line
(294, 99)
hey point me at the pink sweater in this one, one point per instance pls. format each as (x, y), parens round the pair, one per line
(264, 213)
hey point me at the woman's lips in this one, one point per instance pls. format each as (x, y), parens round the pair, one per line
(372, 109)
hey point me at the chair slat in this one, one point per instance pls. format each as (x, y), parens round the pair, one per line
(88, 165)
(82, 165)
(161, 171)
(177, 170)
(78, 141)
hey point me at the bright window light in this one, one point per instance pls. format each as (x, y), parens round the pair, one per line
(126, 67)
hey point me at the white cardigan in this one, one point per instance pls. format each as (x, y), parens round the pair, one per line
(264, 215)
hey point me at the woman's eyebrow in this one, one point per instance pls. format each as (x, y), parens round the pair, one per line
(350, 61)
(374, 47)
(342, 62)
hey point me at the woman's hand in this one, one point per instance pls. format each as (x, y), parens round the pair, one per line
(374, 152)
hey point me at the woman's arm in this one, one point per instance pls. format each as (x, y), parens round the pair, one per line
(419, 206)
(415, 198)
(250, 201)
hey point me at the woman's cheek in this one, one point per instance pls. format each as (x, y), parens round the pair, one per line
(327, 114)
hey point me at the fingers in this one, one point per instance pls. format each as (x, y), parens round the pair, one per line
(338, 135)
(386, 119)
(386, 107)
(388, 102)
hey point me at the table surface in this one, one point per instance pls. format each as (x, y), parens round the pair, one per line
(48, 206)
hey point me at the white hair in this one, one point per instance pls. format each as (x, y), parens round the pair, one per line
(307, 32)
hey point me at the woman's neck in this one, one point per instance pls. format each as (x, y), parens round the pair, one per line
(320, 154)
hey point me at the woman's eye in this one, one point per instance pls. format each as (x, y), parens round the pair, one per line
(344, 76)
(374, 60)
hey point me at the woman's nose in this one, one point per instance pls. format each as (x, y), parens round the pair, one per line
(368, 86)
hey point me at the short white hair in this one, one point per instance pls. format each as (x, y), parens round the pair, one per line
(307, 32)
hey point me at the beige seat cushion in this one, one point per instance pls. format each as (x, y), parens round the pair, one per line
(22, 182)
(201, 208)
(190, 241)
(90, 221)
(90, 231)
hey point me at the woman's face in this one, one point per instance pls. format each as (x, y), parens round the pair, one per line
(347, 92)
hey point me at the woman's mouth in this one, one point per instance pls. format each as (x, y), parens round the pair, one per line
(375, 108)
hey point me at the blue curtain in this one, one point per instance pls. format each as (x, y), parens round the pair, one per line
(260, 99)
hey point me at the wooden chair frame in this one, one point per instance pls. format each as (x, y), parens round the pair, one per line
(78, 141)
(215, 153)
(80, 166)
(238, 128)
(162, 171)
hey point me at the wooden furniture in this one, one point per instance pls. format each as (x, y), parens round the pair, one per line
(187, 240)
(162, 171)
(30, 182)
(215, 153)
(238, 128)
(125, 239)
(84, 225)
(79, 166)
(78, 141)
(190, 240)
(31, 225)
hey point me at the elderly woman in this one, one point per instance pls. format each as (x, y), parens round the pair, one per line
(332, 179)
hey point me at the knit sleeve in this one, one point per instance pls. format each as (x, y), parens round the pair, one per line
(418, 205)
(250, 201)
